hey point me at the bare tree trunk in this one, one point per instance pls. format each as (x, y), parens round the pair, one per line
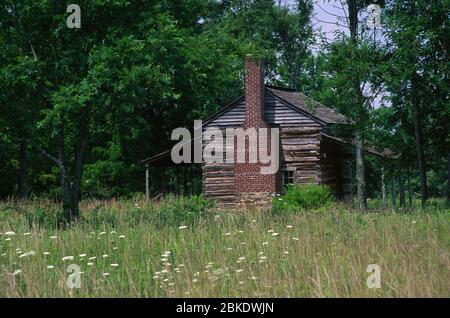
(401, 189)
(70, 202)
(394, 194)
(419, 143)
(70, 196)
(383, 187)
(359, 104)
(147, 182)
(360, 172)
(22, 181)
(448, 179)
(410, 192)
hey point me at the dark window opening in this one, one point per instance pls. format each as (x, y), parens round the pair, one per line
(288, 177)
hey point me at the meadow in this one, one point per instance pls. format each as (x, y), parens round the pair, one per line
(132, 248)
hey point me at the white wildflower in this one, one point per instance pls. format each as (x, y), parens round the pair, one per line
(68, 258)
(92, 258)
(90, 264)
(46, 253)
(182, 227)
(16, 272)
(82, 255)
(121, 236)
(289, 226)
(26, 234)
(105, 255)
(53, 237)
(10, 233)
(275, 234)
(114, 265)
(30, 253)
(105, 274)
(50, 267)
(265, 243)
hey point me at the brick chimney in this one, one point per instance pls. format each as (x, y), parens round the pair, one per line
(252, 187)
(254, 94)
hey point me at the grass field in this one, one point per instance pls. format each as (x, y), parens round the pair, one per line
(122, 252)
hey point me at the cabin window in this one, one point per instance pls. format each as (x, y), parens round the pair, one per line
(288, 177)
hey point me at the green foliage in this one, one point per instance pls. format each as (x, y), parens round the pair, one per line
(303, 197)
(182, 211)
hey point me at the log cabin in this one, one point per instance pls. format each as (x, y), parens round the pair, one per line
(309, 152)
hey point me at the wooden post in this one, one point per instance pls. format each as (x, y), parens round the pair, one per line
(147, 182)
(383, 187)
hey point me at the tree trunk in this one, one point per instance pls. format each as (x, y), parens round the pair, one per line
(410, 191)
(22, 181)
(394, 194)
(359, 104)
(401, 189)
(70, 196)
(70, 201)
(147, 182)
(448, 179)
(360, 173)
(383, 187)
(419, 143)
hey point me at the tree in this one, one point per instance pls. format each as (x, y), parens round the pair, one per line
(418, 76)
(351, 81)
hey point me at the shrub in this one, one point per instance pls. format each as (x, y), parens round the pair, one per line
(308, 196)
(184, 210)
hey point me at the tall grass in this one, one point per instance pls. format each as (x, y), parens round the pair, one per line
(221, 254)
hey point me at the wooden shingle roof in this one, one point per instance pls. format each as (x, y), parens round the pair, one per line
(306, 104)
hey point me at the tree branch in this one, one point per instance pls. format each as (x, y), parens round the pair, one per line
(45, 153)
(327, 12)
